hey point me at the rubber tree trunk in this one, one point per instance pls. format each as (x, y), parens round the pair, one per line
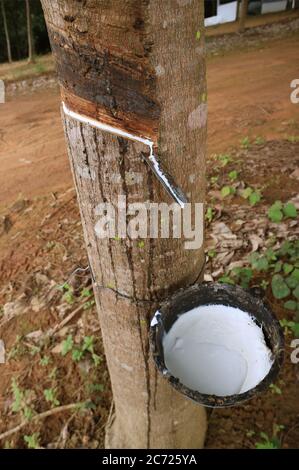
(243, 9)
(6, 32)
(29, 33)
(139, 66)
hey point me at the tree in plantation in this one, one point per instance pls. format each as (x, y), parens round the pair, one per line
(6, 31)
(138, 66)
(243, 9)
(29, 33)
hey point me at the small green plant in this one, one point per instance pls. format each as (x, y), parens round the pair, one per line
(79, 351)
(86, 292)
(21, 401)
(50, 396)
(246, 192)
(68, 293)
(211, 253)
(280, 289)
(267, 443)
(252, 195)
(227, 191)
(290, 326)
(259, 140)
(287, 268)
(275, 389)
(241, 276)
(87, 346)
(95, 387)
(254, 198)
(271, 443)
(259, 262)
(209, 214)
(16, 350)
(45, 361)
(18, 395)
(291, 305)
(264, 284)
(245, 143)
(33, 350)
(77, 355)
(290, 210)
(32, 441)
(8, 445)
(233, 175)
(225, 159)
(275, 213)
(226, 279)
(88, 304)
(67, 345)
(278, 211)
(214, 179)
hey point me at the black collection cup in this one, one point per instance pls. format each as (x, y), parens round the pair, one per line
(187, 299)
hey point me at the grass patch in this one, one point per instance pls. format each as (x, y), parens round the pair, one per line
(21, 70)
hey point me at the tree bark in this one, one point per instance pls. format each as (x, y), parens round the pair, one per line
(6, 32)
(137, 65)
(29, 34)
(243, 15)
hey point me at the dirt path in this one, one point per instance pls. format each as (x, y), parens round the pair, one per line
(33, 156)
(249, 95)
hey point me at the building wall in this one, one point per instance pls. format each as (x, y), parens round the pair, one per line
(225, 14)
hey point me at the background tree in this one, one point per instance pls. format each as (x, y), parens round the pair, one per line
(137, 65)
(30, 39)
(6, 31)
(243, 9)
(17, 25)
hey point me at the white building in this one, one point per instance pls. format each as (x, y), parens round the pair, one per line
(224, 11)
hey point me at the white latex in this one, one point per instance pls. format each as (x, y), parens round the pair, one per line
(217, 350)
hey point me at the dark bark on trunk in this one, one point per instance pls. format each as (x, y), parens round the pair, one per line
(138, 65)
(6, 32)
